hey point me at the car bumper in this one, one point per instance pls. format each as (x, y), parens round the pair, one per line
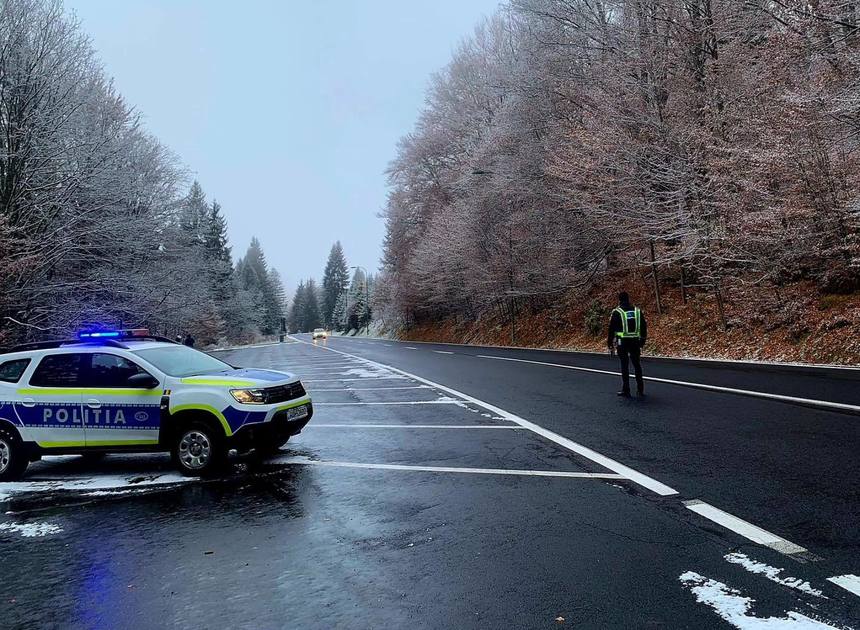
(277, 428)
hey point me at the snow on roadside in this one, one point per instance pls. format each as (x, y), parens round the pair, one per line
(370, 372)
(95, 483)
(734, 608)
(31, 530)
(772, 573)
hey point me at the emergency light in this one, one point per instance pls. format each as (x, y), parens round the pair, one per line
(112, 334)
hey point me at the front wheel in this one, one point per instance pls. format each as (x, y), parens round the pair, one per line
(199, 450)
(13, 459)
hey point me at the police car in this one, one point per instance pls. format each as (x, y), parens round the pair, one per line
(320, 333)
(129, 391)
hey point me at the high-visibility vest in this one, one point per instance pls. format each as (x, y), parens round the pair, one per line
(630, 323)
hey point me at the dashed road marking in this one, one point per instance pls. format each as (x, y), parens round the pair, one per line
(363, 378)
(442, 352)
(368, 389)
(415, 426)
(850, 583)
(401, 402)
(744, 528)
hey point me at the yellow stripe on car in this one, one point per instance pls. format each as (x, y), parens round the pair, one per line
(77, 391)
(210, 409)
(77, 443)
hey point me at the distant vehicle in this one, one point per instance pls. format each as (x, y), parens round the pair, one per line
(320, 333)
(128, 391)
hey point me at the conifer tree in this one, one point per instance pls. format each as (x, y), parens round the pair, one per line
(335, 280)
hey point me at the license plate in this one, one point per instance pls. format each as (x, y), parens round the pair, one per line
(297, 413)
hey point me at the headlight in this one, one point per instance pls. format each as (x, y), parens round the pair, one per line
(249, 396)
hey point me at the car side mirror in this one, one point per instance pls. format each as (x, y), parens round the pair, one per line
(142, 381)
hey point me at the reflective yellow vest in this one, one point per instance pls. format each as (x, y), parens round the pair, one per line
(630, 323)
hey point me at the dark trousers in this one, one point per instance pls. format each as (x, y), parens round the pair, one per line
(629, 350)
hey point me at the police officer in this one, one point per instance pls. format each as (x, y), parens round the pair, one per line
(628, 332)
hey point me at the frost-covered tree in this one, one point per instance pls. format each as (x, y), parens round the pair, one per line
(335, 280)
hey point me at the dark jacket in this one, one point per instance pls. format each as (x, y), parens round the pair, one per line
(616, 326)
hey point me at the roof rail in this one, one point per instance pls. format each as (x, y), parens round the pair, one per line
(57, 343)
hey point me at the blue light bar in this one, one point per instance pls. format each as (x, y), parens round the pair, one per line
(100, 334)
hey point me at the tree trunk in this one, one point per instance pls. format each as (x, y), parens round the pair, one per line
(720, 306)
(656, 279)
(683, 284)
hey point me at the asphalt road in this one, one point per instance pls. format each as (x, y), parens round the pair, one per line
(458, 487)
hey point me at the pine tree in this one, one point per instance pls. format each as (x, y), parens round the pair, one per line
(280, 296)
(335, 280)
(194, 215)
(296, 318)
(339, 315)
(255, 279)
(312, 315)
(221, 283)
(358, 311)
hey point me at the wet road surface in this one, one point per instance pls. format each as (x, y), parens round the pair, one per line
(426, 496)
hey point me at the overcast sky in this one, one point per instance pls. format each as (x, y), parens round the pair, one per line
(287, 112)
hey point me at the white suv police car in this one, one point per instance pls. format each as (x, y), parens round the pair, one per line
(121, 391)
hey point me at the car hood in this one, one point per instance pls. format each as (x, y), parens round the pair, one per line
(242, 377)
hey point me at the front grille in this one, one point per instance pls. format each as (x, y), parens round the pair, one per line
(282, 393)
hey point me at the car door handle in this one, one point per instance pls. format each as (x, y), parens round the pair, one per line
(28, 402)
(92, 403)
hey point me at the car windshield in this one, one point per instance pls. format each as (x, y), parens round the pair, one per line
(182, 360)
(319, 330)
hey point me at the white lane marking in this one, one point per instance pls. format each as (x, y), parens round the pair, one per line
(744, 528)
(333, 366)
(442, 352)
(734, 607)
(849, 582)
(403, 402)
(643, 480)
(414, 426)
(448, 469)
(714, 388)
(771, 573)
(410, 348)
(368, 389)
(365, 378)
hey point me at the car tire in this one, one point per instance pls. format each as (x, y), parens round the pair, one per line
(13, 458)
(199, 450)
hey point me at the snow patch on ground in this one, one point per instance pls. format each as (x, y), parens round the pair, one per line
(31, 530)
(370, 372)
(95, 483)
(772, 573)
(734, 608)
